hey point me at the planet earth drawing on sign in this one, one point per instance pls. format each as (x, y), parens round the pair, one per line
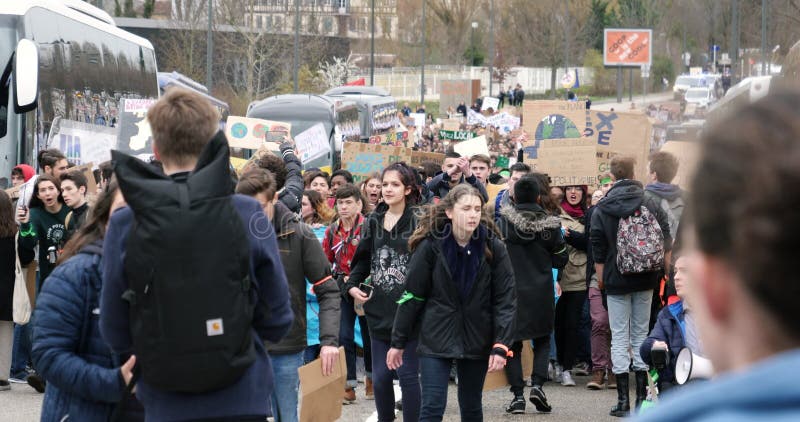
(554, 126)
(239, 130)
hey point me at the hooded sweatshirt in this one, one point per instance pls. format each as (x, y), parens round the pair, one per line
(624, 198)
(670, 198)
(27, 171)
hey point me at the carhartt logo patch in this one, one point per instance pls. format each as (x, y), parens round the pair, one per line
(214, 327)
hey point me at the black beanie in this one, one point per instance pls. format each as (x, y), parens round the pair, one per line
(526, 190)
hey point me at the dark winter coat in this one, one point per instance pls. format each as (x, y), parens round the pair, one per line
(535, 246)
(449, 326)
(7, 275)
(304, 261)
(440, 185)
(668, 330)
(68, 351)
(624, 198)
(292, 192)
(383, 256)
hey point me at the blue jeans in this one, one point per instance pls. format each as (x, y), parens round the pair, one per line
(408, 374)
(287, 383)
(435, 378)
(347, 340)
(629, 318)
(21, 350)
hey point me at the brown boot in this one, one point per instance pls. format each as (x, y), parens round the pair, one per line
(612, 380)
(597, 382)
(368, 393)
(349, 396)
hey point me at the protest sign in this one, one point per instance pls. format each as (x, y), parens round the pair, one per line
(686, 153)
(614, 133)
(490, 102)
(394, 139)
(501, 162)
(568, 162)
(419, 157)
(321, 396)
(472, 147)
(364, 159)
(496, 380)
(83, 142)
(474, 118)
(135, 136)
(86, 170)
(451, 124)
(504, 122)
(312, 143)
(456, 135)
(418, 118)
(250, 133)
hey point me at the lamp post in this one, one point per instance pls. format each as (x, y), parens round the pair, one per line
(296, 61)
(422, 73)
(474, 27)
(491, 45)
(372, 48)
(209, 47)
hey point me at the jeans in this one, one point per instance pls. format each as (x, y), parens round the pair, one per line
(629, 317)
(601, 333)
(347, 340)
(311, 353)
(21, 350)
(287, 384)
(568, 316)
(541, 352)
(408, 374)
(435, 378)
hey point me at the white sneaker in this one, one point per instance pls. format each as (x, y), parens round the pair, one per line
(559, 370)
(566, 379)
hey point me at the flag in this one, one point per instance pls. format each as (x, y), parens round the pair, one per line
(357, 82)
(577, 83)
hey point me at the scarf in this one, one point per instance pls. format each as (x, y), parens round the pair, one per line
(574, 211)
(464, 261)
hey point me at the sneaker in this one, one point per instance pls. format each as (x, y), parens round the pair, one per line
(18, 379)
(349, 396)
(566, 379)
(558, 371)
(540, 400)
(529, 382)
(581, 369)
(612, 380)
(369, 394)
(551, 371)
(597, 382)
(5, 386)
(517, 405)
(37, 382)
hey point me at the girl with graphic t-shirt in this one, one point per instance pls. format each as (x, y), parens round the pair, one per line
(43, 223)
(377, 279)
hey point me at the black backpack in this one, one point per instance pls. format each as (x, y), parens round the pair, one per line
(187, 263)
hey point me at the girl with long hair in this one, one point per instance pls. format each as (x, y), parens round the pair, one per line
(377, 279)
(315, 210)
(371, 190)
(459, 297)
(67, 345)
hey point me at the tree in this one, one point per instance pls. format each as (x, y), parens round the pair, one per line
(336, 72)
(127, 9)
(147, 9)
(600, 17)
(454, 18)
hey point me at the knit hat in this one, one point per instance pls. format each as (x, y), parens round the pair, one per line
(526, 190)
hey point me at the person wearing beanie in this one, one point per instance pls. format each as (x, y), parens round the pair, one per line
(536, 246)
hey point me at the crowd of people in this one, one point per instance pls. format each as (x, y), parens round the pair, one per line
(181, 290)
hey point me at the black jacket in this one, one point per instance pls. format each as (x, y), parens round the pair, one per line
(292, 192)
(450, 327)
(624, 198)
(536, 246)
(384, 257)
(440, 185)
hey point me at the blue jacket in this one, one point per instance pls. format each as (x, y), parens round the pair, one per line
(68, 351)
(766, 391)
(667, 329)
(250, 396)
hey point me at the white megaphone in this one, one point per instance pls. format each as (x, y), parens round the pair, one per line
(691, 366)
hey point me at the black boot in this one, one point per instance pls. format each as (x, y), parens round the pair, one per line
(641, 388)
(623, 406)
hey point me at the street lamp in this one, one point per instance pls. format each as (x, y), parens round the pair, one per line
(474, 27)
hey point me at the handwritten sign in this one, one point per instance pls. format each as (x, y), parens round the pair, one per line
(250, 133)
(568, 162)
(472, 147)
(419, 157)
(312, 143)
(364, 159)
(490, 102)
(395, 139)
(451, 124)
(418, 118)
(456, 135)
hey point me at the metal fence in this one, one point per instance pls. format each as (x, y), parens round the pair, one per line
(404, 82)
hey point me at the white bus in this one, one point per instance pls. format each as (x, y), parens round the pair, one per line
(66, 65)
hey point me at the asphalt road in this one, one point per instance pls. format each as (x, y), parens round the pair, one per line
(23, 404)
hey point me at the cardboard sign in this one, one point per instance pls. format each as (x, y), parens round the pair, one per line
(86, 169)
(451, 124)
(364, 159)
(321, 397)
(627, 47)
(568, 162)
(498, 379)
(686, 153)
(394, 139)
(456, 135)
(472, 147)
(614, 133)
(312, 143)
(249, 133)
(490, 102)
(419, 157)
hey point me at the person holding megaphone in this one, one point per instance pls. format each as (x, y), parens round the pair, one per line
(675, 329)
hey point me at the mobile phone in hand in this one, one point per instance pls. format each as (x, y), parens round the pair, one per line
(366, 288)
